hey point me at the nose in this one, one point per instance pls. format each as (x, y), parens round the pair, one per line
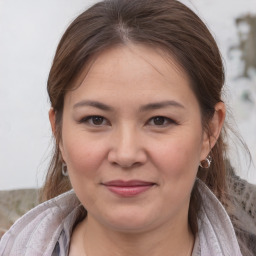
(127, 148)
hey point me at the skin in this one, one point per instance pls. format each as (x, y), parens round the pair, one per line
(128, 142)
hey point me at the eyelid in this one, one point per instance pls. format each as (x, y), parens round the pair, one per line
(169, 121)
(89, 118)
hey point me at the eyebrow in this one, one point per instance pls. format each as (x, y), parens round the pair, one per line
(150, 106)
(159, 105)
(92, 103)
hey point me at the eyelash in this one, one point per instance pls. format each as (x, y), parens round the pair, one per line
(167, 121)
(89, 120)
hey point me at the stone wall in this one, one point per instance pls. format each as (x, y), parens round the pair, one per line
(15, 203)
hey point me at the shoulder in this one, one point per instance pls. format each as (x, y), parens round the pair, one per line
(242, 195)
(39, 229)
(216, 232)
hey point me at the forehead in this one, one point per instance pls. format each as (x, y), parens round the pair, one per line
(136, 71)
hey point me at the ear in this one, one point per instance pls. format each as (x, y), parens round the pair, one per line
(215, 126)
(52, 120)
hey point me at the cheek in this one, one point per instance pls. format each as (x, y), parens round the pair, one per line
(83, 156)
(84, 159)
(179, 157)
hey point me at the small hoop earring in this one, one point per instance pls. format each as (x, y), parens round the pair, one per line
(64, 170)
(206, 163)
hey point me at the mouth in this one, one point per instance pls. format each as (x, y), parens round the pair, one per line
(129, 188)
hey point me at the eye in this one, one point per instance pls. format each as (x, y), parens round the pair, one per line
(95, 120)
(160, 121)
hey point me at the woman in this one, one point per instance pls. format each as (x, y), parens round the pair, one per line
(137, 116)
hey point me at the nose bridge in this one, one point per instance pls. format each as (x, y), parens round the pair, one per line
(126, 143)
(127, 149)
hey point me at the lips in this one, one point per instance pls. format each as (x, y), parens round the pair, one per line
(128, 188)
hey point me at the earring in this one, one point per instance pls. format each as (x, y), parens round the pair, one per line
(64, 170)
(206, 163)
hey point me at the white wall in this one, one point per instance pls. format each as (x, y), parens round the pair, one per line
(29, 33)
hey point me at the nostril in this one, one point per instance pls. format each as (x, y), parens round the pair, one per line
(136, 164)
(127, 157)
(126, 165)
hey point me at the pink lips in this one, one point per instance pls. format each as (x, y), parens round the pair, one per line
(128, 188)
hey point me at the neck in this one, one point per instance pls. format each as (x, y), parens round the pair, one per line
(165, 241)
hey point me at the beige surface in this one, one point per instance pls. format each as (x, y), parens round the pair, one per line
(13, 204)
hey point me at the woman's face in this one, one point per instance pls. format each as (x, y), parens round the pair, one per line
(132, 140)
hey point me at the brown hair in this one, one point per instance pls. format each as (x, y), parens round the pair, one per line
(167, 24)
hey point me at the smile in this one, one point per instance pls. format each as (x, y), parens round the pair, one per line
(128, 188)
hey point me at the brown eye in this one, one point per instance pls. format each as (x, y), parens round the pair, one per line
(94, 121)
(97, 120)
(159, 120)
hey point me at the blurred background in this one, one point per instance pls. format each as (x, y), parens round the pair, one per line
(29, 34)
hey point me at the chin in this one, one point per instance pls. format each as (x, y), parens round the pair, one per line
(129, 222)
